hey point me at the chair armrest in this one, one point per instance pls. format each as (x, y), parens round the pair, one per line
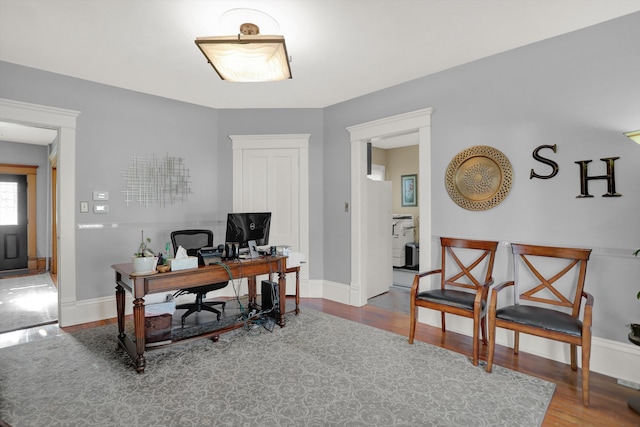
(588, 306)
(487, 283)
(494, 294)
(483, 292)
(503, 285)
(416, 281)
(589, 299)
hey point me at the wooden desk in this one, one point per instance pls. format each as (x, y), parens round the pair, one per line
(139, 286)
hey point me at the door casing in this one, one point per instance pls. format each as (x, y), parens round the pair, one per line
(416, 121)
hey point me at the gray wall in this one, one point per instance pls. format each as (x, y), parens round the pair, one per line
(579, 91)
(114, 125)
(33, 155)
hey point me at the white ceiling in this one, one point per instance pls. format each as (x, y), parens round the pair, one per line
(14, 132)
(340, 49)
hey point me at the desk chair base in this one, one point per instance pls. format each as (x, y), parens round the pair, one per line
(199, 305)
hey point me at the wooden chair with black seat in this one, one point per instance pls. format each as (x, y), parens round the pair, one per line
(465, 276)
(551, 281)
(192, 241)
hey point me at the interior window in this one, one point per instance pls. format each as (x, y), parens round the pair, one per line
(8, 203)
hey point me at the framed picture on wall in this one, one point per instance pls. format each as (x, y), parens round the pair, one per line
(409, 190)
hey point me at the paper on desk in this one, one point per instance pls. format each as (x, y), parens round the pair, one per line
(181, 253)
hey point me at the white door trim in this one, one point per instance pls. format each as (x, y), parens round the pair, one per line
(265, 142)
(65, 122)
(416, 121)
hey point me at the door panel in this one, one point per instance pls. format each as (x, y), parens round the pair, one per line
(13, 222)
(270, 183)
(379, 247)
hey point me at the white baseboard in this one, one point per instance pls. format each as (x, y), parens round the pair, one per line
(334, 291)
(85, 311)
(311, 288)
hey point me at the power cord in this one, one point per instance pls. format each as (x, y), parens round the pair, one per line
(255, 318)
(250, 319)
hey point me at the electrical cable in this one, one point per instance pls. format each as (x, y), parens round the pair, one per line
(255, 316)
(246, 317)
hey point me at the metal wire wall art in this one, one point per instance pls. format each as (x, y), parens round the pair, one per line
(156, 180)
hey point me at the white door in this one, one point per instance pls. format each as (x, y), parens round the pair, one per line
(270, 183)
(271, 173)
(379, 269)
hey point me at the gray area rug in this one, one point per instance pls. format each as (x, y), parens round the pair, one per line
(319, 370)
(27, 301)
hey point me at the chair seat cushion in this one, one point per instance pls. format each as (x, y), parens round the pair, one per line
(540, 317)
(450, 297)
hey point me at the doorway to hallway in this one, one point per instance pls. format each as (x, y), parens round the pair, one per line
(13, 222)
(413, 122)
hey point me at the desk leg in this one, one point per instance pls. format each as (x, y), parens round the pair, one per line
(138, 324)
(297, 291)
(120, 310)
(282, 287)
(253, 293)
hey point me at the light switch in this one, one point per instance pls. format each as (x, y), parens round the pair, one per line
(84, 207)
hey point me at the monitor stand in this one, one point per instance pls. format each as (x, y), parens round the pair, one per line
(253, 249)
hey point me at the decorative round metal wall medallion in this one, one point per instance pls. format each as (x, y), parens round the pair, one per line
(479, 178)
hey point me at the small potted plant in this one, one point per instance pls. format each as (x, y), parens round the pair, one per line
(144, 260)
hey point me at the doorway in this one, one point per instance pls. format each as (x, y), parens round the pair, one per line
(64, 122)
(13, 222)
(18, 235)
(417, 121)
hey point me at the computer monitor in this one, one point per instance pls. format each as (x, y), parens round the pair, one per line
(246, 226)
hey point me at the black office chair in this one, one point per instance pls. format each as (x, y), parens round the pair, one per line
(192, 241)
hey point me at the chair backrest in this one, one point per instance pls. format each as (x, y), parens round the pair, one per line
(549, 275)
(191, 240)
(466, 263)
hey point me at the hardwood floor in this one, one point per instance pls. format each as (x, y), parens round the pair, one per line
(608, 399)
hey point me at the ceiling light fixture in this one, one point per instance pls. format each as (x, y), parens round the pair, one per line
(633, 135)
(247, 57)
